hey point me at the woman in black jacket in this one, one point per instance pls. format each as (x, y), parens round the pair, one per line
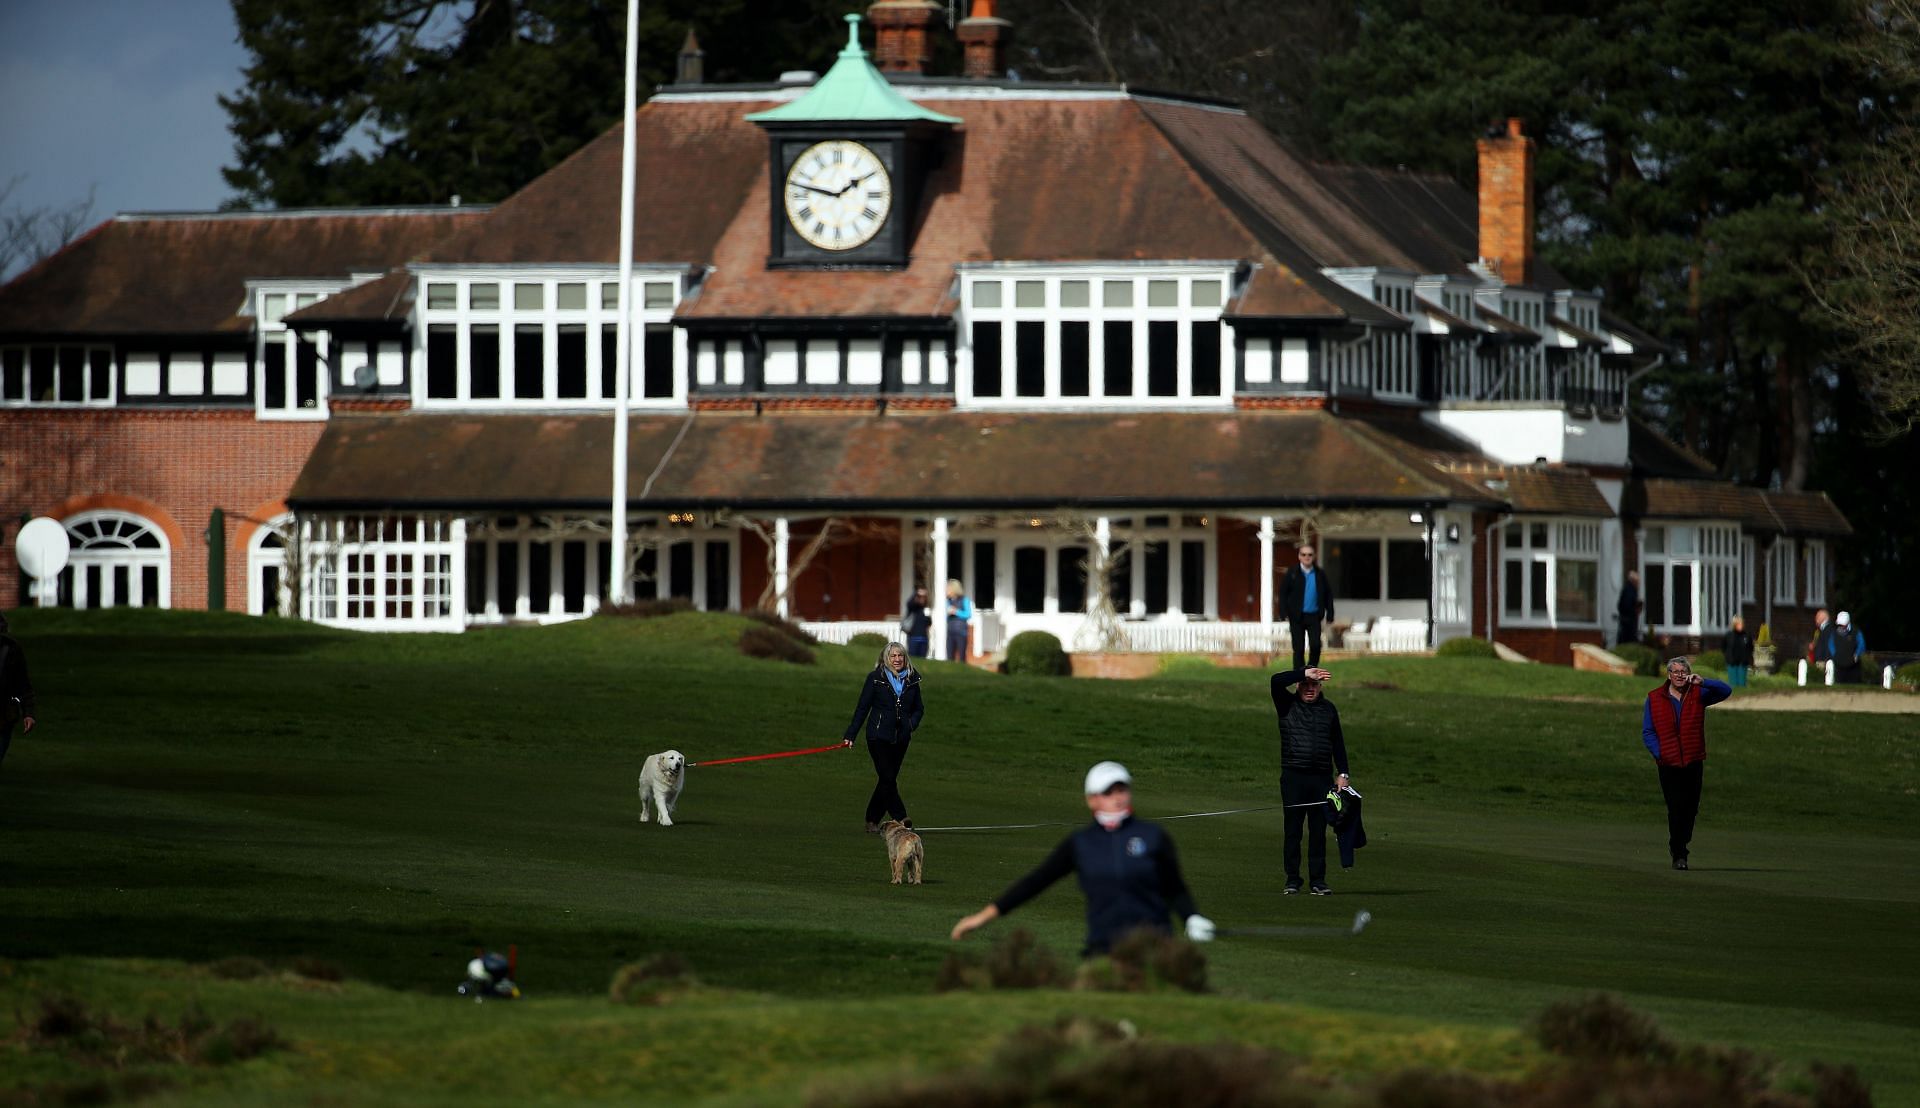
(891, 709)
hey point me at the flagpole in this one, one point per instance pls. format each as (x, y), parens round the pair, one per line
(623, 346)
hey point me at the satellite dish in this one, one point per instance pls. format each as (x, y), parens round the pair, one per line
(41, 548)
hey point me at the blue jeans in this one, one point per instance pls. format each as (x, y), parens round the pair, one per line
(917, 646)
(1737, 676)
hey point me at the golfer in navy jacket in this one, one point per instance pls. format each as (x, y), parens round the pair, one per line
(1673, 724)
(1127, 867)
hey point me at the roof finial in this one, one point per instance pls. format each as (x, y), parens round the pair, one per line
(853, 49)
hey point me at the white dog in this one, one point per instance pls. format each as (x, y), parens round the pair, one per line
(660, 781)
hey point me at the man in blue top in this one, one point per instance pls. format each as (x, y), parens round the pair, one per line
(1307, 599)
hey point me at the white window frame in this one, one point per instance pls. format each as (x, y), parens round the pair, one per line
(109, 555)
(273, 331)
(327, 542)
(1713, 558)
(1816, 572)
(1749, 588)
(260, 557)
(1567, 539)
(1782, 586)
(24, 351)
(596, 317)
(1095, 314)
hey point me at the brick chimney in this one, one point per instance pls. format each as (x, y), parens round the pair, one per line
(1506, 204)
(693, 62)
(900, 34)
(985, 38)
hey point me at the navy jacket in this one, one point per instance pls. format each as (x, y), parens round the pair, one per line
(889, 718)
(1130, 875)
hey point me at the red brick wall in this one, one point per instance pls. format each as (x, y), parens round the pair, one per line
(1544, 644)
(1484, 588)
(858, 577)
(174, 467)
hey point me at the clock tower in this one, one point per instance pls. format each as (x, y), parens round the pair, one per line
(847, 161)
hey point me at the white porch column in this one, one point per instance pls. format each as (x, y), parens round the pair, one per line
(780, 567)
(937, 594)
(457, 579)
(1097, 583)
(1266, 577)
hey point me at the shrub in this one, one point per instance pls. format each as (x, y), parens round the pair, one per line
(1601, 1028)
(1646, 661)
(1466, 646)
(1907, 676)
(240, 967)
(786, 627)
(871, 641)
(761, 641)
(653, 981)
(316, 969)
(648, 609)
(1037, 654)
(236, 1042)
(1711, 659)
(1143, 961)
(1015, 961)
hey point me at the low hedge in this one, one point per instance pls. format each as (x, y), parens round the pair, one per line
(1466, 646)
(1037, 654)
(1907, 677)
(1711, 659)
(1645, 659)
(869, 640)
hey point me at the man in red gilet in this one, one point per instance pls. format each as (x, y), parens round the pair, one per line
(1674, 727)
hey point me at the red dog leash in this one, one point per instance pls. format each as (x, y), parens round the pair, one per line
(764, 757)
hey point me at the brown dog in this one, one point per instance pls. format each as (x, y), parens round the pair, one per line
(904, 852)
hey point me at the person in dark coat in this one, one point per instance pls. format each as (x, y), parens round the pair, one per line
(1629, 609)
(1307, 598)
(1738, 648)
(16, 689)
(1128, 869)
(916, 624)
(1820, 647)
(891, 710)
(1313, 762)
(1673, 725)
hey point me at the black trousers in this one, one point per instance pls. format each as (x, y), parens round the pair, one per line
(886, 801)
(1299, 788)
(1306, 630)
(1681, 786)
(6, 740)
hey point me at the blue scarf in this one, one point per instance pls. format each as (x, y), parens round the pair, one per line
(899, 681)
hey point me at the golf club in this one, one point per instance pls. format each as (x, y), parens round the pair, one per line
(1360, 921)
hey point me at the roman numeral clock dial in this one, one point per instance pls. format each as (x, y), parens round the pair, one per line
(838, 195)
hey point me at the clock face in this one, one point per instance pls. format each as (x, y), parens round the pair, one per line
(838, 195)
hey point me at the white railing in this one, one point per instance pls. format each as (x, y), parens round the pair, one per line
(841, 632)
(1203, 637)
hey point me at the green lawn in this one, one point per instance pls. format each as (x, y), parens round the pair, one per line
(206, 786)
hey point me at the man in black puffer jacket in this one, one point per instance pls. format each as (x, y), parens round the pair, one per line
(890, 709)
(1313, 762)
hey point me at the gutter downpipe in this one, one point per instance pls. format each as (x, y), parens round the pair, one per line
(1430, 560)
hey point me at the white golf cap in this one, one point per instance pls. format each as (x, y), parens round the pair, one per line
(1105, 776)
(1844, 618)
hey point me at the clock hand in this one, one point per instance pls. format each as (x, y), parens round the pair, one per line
(818, 189)
(851, 184)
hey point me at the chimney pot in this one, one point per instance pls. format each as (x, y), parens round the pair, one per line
(693, 62)
(985, 36)
(1506, 204)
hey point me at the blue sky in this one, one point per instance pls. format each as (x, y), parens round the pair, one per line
(118, 95)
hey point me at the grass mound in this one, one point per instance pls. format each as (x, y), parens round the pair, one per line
(758, 640)
(1466, 646)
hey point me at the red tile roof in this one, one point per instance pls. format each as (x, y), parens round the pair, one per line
(1757, 510)
(918, 460)
(187, 274)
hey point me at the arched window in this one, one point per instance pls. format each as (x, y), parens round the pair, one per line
(119, 560)
(268, 593)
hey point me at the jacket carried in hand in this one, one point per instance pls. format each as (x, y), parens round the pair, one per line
(889, 717)
(1293, 593)
(1675, 732)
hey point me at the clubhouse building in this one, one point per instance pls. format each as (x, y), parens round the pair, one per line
(1106, 356)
